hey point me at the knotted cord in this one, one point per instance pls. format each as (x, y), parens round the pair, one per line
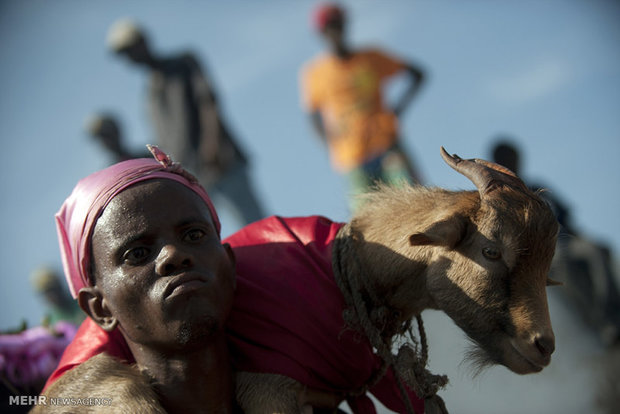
(366, 314)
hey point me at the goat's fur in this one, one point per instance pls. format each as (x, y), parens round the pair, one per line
(103, 377)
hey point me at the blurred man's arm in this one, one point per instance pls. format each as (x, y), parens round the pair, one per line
(209, 115)
(416, 79)
(317, 123)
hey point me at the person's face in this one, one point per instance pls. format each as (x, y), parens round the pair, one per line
(163, 272)
(333, 33)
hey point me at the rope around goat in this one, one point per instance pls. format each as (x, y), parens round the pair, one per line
(381, 324)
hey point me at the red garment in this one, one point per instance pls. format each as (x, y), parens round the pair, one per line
(287, 315)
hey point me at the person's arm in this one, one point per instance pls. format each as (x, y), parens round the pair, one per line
(317, 123)
(310, 98)
(416, 79)
(209, 115)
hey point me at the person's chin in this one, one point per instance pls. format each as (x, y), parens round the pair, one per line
(200, 331)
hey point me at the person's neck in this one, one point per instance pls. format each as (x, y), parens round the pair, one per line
(342, 51)
(196, 381)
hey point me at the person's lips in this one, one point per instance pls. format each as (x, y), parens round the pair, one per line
(184, 283)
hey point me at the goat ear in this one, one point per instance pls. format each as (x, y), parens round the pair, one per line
(448, 232)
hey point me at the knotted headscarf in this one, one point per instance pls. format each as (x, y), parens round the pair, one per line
(76, 219)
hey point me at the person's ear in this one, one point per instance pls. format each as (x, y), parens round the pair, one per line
(233, 261)
(92, 302)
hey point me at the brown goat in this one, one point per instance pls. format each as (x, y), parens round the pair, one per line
(481, 256)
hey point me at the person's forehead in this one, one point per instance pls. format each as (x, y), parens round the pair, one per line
(157, 198)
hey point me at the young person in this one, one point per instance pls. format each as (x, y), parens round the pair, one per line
(343, 93)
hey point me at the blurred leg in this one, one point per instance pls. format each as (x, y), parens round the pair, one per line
(397, 168)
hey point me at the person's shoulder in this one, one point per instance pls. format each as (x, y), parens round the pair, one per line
(316, 62)
(180, 60)
(285, 229)
(373, 51)
(190, 58)
(314, 69)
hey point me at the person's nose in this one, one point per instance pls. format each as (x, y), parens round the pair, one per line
(171, 258)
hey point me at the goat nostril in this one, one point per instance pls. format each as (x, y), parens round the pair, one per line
(545, 345)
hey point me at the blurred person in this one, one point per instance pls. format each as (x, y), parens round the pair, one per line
(60, 307)
(582, 265)
(30, 355)
(506, 153)
(106, 129)
(608, 382)
(188, 121)
(343, 92)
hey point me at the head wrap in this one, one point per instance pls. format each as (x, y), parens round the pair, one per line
(76, 219)
(326, 13)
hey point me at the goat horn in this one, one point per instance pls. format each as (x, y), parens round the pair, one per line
(484, 174)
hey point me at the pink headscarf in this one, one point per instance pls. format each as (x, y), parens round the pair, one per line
(76, 219)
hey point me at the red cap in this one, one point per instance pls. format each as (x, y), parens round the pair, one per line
(325, 13)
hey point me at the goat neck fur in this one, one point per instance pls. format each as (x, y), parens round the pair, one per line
(127, 389)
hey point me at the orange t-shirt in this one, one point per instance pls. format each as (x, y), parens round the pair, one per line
(348, 95)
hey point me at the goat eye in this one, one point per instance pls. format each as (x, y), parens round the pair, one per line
(491, 253)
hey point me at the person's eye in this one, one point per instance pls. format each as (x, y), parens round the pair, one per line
(194, 235)
(135, 255)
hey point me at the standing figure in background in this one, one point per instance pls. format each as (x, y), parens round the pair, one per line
(188, 121)
(106, 129)
(342, 91)
(581, 264)
(60, 305)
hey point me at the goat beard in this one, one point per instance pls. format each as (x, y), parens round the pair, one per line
(477, 358)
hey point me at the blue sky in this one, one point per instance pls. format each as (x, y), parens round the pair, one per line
(546, 73)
